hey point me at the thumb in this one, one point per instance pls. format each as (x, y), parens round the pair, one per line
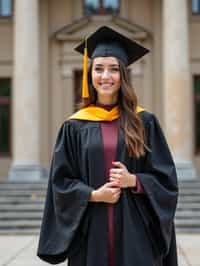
(119, 164)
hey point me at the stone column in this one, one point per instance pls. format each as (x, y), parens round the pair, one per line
(68, 90)
(177, 91)
(26, 141)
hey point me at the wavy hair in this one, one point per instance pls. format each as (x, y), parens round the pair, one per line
(130, 121)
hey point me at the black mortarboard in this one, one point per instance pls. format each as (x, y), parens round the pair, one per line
(108, 42)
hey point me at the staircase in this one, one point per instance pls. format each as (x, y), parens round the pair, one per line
(21, 207)
(188, 209)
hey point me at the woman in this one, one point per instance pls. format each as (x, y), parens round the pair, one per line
(112, 189)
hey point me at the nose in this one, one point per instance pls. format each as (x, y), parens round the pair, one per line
(105, 74)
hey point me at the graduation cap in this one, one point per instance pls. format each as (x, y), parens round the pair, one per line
(108, 42)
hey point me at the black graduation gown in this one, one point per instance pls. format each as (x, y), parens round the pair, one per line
(77, 229)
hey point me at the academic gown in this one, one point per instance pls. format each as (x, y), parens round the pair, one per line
(77, 229)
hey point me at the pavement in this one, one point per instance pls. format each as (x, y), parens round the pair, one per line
(21, 251)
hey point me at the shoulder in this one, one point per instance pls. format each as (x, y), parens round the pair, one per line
(152, 125)
(78, 124)
(147, 117)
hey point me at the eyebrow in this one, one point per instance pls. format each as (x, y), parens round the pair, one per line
(112, 65)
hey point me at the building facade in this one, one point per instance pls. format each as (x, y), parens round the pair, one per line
(40, 74)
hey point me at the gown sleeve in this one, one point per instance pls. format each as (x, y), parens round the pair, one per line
(159, 181)
(138, 188)
(66, 201)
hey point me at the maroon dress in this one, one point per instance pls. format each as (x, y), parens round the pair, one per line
(109, 132)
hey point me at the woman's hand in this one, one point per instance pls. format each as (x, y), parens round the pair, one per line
(121, 175)
(109, 193)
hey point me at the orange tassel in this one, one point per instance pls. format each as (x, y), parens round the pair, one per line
(85, 89)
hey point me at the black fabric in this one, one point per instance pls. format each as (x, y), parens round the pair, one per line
(108, 42)
(110, 49)
(76, 229)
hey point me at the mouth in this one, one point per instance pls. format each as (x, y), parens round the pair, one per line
(106, 84)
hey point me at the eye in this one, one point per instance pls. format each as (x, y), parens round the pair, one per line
(114, 69)
(98, 69)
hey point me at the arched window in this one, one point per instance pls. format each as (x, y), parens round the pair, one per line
(6, 8)
(101, 7)
(196, 7)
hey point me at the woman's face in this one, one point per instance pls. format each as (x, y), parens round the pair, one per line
(106, 77)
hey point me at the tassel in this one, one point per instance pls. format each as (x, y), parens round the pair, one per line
(85, 89)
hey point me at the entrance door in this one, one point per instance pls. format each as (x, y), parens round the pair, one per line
(77, 88)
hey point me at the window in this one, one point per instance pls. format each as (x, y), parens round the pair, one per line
(101, 7)
(5, 116)
(5, 8)
(196, 7)
(197, 112)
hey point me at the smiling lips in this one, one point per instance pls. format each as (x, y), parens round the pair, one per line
(106, 85)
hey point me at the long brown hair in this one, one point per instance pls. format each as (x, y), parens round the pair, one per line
(130, 121)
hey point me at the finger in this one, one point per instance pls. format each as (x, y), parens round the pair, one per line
(116, 170)
(117, 195)
(117, 182)
(115, 191)
(113, 183)
(116, 185)
(116, 176)
(118, 192)
(119, 164)
(113, 179)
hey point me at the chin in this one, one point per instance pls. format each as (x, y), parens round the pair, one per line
(106, 92)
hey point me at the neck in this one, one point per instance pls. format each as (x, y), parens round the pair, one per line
(107, 100)
(107, 107)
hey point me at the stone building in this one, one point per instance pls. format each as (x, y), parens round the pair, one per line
(40, 73)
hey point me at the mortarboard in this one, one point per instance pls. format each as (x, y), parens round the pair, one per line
(108, 42)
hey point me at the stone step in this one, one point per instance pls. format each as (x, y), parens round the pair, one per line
(24, 193)
(187, 188)
(21, 200)
(188, 185)
(193, 192)
(20, 216)
(193, 195)
(188, 206)
(187, 230)
(22, 231)
(187, 212)
(16, 186)
(20, 224)
(189, 181)
(43, 185)
(21, 207)
(188, 223)
(189, 199)
(182, 216)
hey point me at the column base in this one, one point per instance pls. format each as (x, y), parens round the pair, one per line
(185, 170)
(27, 173)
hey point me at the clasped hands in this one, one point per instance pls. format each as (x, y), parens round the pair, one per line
(119, 177)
